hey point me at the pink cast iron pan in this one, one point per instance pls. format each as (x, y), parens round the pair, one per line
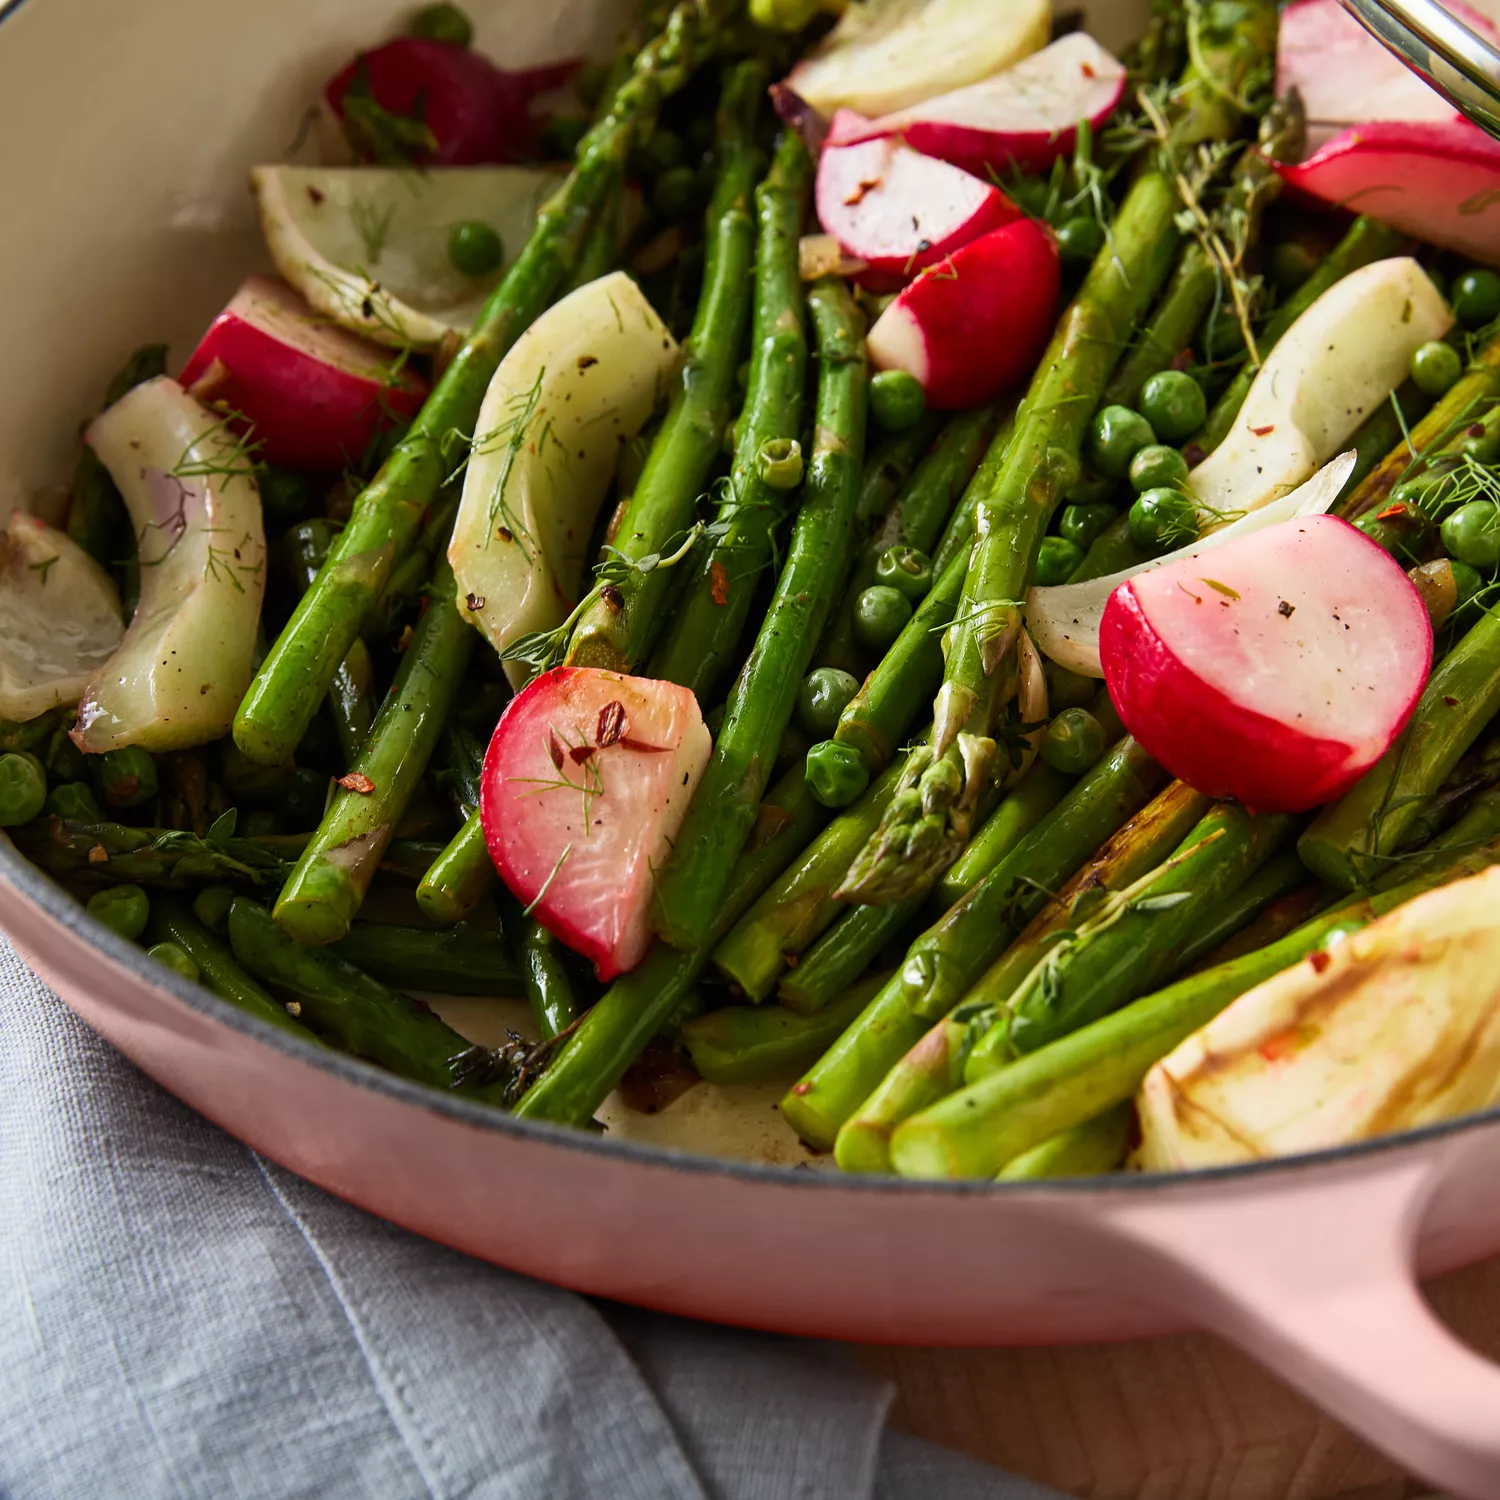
(138, 232)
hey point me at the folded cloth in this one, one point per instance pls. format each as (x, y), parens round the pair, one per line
(181, 1317)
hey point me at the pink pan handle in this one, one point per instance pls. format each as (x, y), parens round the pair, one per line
(1314, 1274)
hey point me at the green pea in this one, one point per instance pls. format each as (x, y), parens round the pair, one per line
(824, 695)
(1057, 560)
(1476, 298)
(1083, 525)
(897, 400)
(1472, 534)
(443, 23)
(779, 463)
(1173, 403)
(561, 136)
(1158, 468)
(1090, 488)
(676, 193)
(1467, 582)
(64, 760)
(475, 248)
(880, 615)
(176, 958)
(74, 800)
(1482, 444)
(1073, 742)
(1115, 437)
(1435, 367)
(285, 495)
(122, 908)
(211, 906)
(126, 777)
(1067, 689)
(835, 773)
(907, 570)
(589, 84)
(1163, 519)
(1291, 265)
(1079, 240)
(23, 788)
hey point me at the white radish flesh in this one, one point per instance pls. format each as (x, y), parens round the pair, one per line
(59, 618)
(1339, 361)
(575, 387)
(185, 661)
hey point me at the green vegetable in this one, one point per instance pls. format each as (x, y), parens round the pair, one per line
(443, 23)
(1057, 560)
(907, 570)
(1116, 435)
(561, 137)
(897, 400)
(1292, 263)
(881, 613)
(1471, 534)
(285, 495)
(836, 773)
(124, 909)
(675, 193)
(825, 693)
(1074, 741)
(1436, 368)
(74, 800)
(126, 777)
(1173, 403)
(23, 788)
(1163, 519)
(1083, 1150)
(460, 960)
(475, 248)
(176, 958)
(1156, 468)
(1476, 298)
(779, 463)
(1084, 524)
(1467, 582)
(211, 906)
(1079, 241)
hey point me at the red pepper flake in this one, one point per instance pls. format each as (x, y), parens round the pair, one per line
(1264, 431)
(1391, 512)
(554, 750)
(1450, 701)
(315, 195)
(1280, 1046)
(475, 602)
(587, 361)
(1319, 960)
(357, 781)
(627, 743)
(403, 641)
(505, 534)
(612, 597)
(1088, 70)
(799, 1089)
(791, 960)
(718, 582)
(865, 185)
(1183, 361)
(1193, 455)
(612, 724)
(1476, 430)
(579, 753)
(98, 855)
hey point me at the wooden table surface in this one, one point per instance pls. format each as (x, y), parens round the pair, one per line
(1179, 1418)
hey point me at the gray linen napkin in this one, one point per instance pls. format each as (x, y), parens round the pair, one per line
(180, 1317)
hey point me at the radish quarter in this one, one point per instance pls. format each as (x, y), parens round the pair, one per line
(1276, 669)
(585, 785)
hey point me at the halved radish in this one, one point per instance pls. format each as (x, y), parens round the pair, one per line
(439, 103)
(314, 394)
(1277, 670)
(1025, 117)
(899, 211)
(585, 785)
(1438, 181)
(975, 323)
(886, 54)
(1346, 77)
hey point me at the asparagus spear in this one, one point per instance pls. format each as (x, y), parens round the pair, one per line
(953, 952)
(1367, 240)
(723, 808)
(974, 1132)
(344, 1004)
(1041, 462)
(934, 1066)
(1351, 841)
(610, 1037)
(617, 624)
(320, 898)
(1083, 1150)
(461, 960)
(748, 1043)
(388, 512)
(218, 970)
(410, 574)
(154, 856)
(545, 979)
(700, 645)
(458, 878)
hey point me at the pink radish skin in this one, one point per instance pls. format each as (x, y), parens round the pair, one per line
(587, 862)
(1438, 182)
(478, 114)
(1026, 117)
(898, 211)
(314, 394)
(1276, 669)
(975, 324)
(1346, 77)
